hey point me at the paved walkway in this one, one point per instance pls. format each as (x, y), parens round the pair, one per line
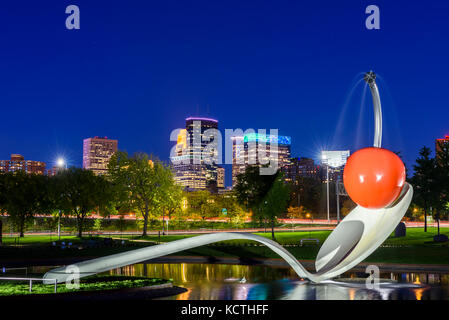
(176, 232)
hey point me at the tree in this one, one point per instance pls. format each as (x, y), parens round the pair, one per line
(170, 199)
(141, 183)
(97, 225)
(202, 203)
(2, 203)
(348, 206)
(442, 179)
(121, 222)
(305, 192)
(266, 195)
(275, 202)
(424, 182)
(80, 193)
(23, 196)
(297, 212)
(252, 187)
(2, 193)
(234, 212)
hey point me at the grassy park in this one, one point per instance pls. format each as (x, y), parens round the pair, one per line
(415, 236)
(38, 204)
(417, 247)
(93, 283)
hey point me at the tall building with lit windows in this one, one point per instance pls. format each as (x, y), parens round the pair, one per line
(301, 168)
(257, 149)
(97, 152)
(441, 141)
(220, 177)
(18, 163)
(191, 169)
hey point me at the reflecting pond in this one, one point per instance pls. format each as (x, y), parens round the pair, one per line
(258, 282)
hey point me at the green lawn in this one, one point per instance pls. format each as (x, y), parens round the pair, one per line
(33, 239)
(415, 237)
(8, 288)
(416, 247)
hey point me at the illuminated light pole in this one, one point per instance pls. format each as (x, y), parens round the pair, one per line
(334, 159)
(327, 186)
(61, 165)
(327, 181)
(338, 199)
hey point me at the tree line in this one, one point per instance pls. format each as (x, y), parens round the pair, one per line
(431, 182)
(72, 192)
(266, 196)
(138, 184)
(145, 185)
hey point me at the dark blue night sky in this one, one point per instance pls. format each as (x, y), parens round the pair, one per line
(136, 69)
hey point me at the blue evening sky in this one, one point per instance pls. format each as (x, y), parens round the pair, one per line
(136, 69)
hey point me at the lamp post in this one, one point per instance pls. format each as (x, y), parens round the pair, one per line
(327, 188)
(59, 225)
(335, 159)
(61, 165)
(338, 198)
(324, 158)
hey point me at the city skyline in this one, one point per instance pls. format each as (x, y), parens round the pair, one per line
(227, 151)
(288, 66)
(228, 182)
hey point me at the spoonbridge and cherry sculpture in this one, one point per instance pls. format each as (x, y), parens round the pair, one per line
(374, 179)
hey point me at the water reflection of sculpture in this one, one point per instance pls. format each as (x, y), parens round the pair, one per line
(374, 178)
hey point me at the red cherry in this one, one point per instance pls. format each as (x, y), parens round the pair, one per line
(374, 177)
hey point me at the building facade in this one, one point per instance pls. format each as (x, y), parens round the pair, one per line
(195, 162)
(438, 142)
(220, 177)
(97, 152)
(18, 162)
(54, 171)
(256, 149)
(301, 168)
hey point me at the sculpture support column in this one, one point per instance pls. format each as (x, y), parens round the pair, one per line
(370, 78)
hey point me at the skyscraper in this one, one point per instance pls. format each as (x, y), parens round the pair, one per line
(221, 177)
(441, 141)
(258, 149)
(18, 162)
(301, 167)
(194, 164)
(97, 152)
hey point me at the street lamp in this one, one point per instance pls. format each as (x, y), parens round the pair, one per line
(60, 163)
(324, 158)
(335, 159)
